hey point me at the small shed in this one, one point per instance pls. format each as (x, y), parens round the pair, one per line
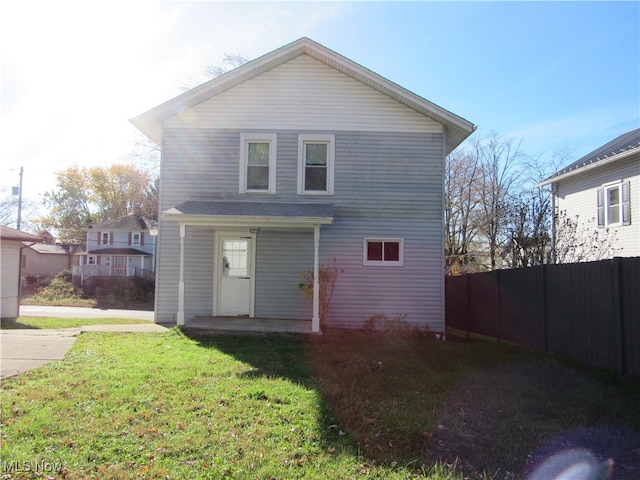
(11, 244)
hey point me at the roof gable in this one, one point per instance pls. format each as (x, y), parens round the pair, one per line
(151, 122)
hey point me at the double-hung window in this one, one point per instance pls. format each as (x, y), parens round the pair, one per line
(258, 163)
(613, 204)
(104, 238)
(315, 164)
(384, 251)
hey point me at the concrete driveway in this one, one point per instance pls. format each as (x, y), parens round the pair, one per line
(25, 349)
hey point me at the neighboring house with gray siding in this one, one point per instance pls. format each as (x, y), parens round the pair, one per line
(602, 190)
(297, 160)
(120, 248)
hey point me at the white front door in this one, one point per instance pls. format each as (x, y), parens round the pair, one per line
(234, 276)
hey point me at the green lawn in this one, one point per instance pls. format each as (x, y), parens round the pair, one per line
(341, 406)
(52, 322)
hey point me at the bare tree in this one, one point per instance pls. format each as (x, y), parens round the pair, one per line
(461, 199)
(229, 62)
(527, 228)
(499, 158)
(529, 215)
(583, 241)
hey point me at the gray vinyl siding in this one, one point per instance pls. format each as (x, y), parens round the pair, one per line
(281, 257)
(198, 261)
(387, 184)
(577, 196)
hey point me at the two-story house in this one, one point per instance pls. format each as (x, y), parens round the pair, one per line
(602, 191)
(297, 160)
(120, 248)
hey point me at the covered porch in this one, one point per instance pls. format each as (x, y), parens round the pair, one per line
(237, 228)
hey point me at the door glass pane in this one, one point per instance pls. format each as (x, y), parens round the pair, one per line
(235, 254)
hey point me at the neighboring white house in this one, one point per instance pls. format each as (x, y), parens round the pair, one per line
(299, 159)
(602, 189)
(120, 248)
(11, 244)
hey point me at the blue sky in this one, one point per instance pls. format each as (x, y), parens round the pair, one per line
(551, 74)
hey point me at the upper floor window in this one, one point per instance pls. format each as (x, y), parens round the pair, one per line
(258, 162)
(613, 204)
(135, 239)
(104, 238)
(384, 251)
(315, 164)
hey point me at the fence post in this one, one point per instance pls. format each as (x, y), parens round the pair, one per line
(498, 306)
(545, 308)
(618, 309)
(467, 309)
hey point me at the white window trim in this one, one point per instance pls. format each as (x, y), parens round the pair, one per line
(133, 239)
(108, 238)
(383, 263)
(323, 138)
(607, 211)
(92, 257)
(245, 139)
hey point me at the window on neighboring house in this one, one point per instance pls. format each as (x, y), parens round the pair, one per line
(258, 163)
(315, 164)
(91, 260)
(105, 238)
(613, 204)
(135, 239)
(384, 251)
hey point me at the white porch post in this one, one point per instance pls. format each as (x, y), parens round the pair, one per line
(315, 321)
(180, 314)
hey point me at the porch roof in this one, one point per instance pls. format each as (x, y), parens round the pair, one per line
(115, 251)
(247, 213)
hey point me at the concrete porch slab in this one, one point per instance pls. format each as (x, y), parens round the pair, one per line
(246, 324)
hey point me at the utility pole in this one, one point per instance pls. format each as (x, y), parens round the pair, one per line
(19, 193)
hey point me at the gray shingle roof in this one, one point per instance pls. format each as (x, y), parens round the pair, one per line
(253, 209)
(130, 223)
(624, 143)
(9, 233)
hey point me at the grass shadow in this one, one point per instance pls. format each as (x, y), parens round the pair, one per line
(412, 400)
(14, 324)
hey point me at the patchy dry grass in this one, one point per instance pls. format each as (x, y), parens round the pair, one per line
(340, 406)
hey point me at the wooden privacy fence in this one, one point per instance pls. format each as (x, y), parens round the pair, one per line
(589, 312)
